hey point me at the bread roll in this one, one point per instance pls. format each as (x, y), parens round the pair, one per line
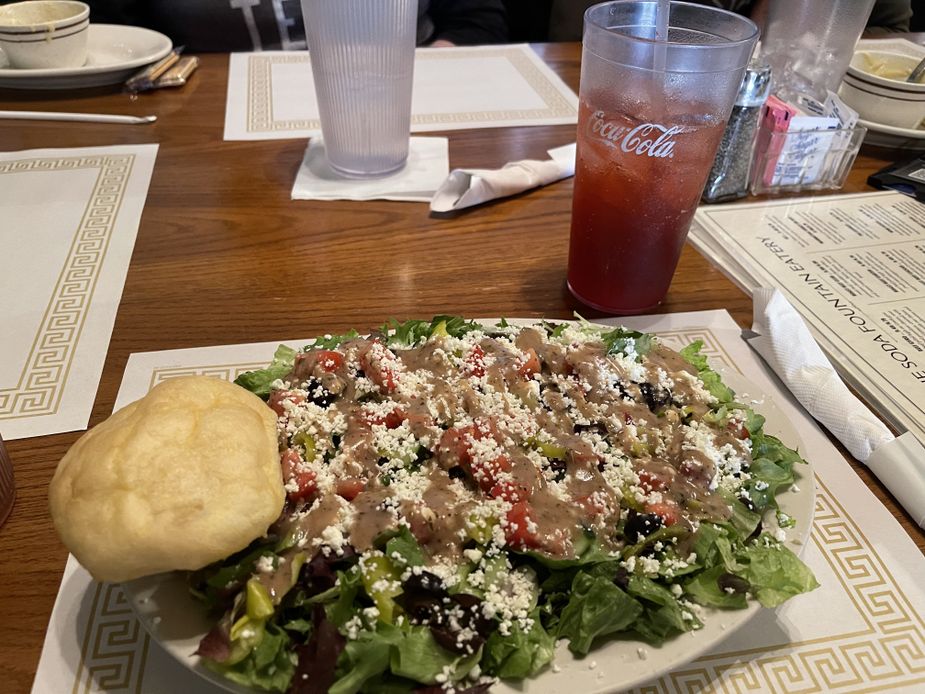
(184, 477)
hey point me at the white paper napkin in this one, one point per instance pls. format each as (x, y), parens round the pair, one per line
(468, 187)
(428, 163)
(791, 351)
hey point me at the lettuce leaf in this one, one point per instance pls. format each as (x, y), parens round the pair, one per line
(662, 615)
(269, 666)
(711, 380)
(774, 572)
(522, 653)
(258, 382)
(417, 656)
(414, 332)
(363, 659)
(597, 608)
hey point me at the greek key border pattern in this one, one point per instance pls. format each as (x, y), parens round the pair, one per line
(115, 646)
(888, 654)
(41, 383)
(260, 93)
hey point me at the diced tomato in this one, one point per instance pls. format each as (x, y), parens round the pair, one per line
(508, 491)
(666, 510)
(278, 397)
(593, 504)
(486, 474)
(350, 487)
(737, 429)
(474, 363)
(696, 472)
(307, 486)
(392, 420)
(329, 360)
(455, 443)
(453, 449)
(421, 527)
(518, 529)
(381, 366)
(650, 482)
(291, 462)
(531, 365)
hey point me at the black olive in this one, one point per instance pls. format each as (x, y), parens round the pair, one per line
(594, 428)
(622, 578)
(421, 608)
(446, 631)
(640, 525)
(457, 473)
(730, 582)
(755, 533)
(320, 573)
(655, 396)
(318, 394)
(558, 468)
(425, 582)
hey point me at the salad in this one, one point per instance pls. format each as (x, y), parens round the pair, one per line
(461, 497)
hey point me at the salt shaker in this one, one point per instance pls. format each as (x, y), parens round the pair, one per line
(729, 176)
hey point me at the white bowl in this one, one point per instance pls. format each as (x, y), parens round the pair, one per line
(44, 33)
(874, 87)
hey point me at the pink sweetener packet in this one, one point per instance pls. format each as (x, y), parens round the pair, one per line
(775, 118)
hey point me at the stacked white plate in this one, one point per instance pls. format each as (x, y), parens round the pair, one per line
(891, 109)
(114, 53)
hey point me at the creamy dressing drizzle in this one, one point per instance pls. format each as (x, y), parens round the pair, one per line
(581, 409)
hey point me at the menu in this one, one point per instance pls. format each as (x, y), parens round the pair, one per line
(854, 267)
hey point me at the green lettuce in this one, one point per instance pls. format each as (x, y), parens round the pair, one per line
(774, 573)
(596, 608)
(522, 653)
(259, 381)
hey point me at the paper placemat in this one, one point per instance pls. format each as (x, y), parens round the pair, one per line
(68, 220)
(862, 630)
(271, 95)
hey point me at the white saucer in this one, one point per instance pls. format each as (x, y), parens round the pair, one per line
(881, 135)
(114, 53)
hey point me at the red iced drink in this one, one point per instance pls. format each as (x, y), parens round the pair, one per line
(637, 185)
(657, 84)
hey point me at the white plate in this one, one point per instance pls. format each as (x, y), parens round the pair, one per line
(890, 136)
(114, 53)
(176, 620)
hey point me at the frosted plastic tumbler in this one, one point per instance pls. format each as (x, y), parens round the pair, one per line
(362, 55)
(809, 44)
(651, 115)
(7, 488)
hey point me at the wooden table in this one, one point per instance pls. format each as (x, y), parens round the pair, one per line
(224, 256)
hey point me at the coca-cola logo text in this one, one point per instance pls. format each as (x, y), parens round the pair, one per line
(651, 139)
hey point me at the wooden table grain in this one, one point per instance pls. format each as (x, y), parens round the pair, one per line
(224, 256)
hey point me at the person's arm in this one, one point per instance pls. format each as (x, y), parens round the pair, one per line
(468, 22)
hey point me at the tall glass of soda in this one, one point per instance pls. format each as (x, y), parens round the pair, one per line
(658, 81)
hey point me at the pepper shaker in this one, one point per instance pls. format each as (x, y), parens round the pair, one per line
(728, 178)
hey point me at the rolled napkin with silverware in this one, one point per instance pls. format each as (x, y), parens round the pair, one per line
(781, 337)
(468, 187)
